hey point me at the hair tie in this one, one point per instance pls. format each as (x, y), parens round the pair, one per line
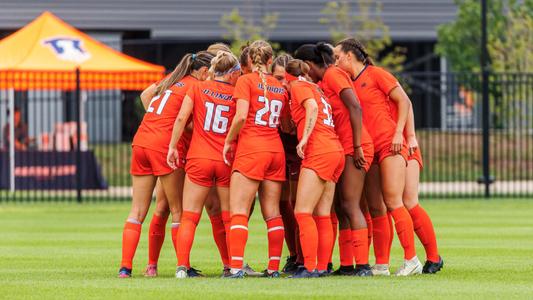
(193, 56)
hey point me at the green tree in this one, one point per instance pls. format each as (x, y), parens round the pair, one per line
(367, 26)
(509, 36)
(241, 30)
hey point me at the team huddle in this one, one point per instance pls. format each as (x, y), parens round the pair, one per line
(324, 139)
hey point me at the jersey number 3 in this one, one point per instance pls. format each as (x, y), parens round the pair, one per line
(272, 106)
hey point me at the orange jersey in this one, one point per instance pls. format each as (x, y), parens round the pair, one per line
(213, 112)
(155, 130)
(323, 138)
(373, 86)
(335, 80)
(260, 132)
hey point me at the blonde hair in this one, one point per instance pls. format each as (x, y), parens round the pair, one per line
(188, 63)
(217, 47)
(260, 52)
(281, 60)
(223, 63)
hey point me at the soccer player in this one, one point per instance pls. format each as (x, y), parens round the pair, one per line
(421, 220)
(150, 145)
(322, 164)
(385, 111)
(259, 159)
(358, 150)
(212, 106)
(292, 171)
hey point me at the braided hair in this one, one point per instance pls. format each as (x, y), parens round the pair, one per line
(356, 48)
(260, 52)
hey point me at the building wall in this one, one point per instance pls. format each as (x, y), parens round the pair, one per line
(199, 20)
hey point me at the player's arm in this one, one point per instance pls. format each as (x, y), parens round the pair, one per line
(410, 133)
(311, 114)
(241, 113)
(177, 130)
(147, 95)
(398, 96)
(356, 121)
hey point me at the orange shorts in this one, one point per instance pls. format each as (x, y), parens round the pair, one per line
(368, 151)
(417, 155)
(208, 172)
(328, 166)
(261, 166)
(385, 152)
(145, 161)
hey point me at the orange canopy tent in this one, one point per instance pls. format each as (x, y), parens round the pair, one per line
(46, 53)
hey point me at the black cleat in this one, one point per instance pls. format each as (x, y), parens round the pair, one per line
(192, 272)
(343, 271)
(363, 271)
(239, 275)
(124, 273)
(303, 273)
(226, 272)
(433, 267)
(290, 265)
(330, 268)
(274, 274)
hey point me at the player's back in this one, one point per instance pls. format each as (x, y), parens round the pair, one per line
(213, 112)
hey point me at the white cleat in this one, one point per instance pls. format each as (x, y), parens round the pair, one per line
(410, 267)
(380, 270)
(181, 272)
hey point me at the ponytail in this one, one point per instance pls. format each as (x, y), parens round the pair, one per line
(260, 52)
(188, 63)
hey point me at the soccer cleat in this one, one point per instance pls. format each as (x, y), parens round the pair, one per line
(290, 265)
(323, 273)
(192, 272)
(124, 273)
(240, 274)
(181, 272)
(433, 267)
(363, 271)
(410, 267)
(330, 268)
(343, 271)
(303, 273)
(226, 272)
(251, 272)
(380, 270)
(151, 271)
(268, 274)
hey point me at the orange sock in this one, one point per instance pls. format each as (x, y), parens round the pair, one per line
(325, 241)
(368, 219)
(345, 247)
(174, 232)
(425, 232)
(156, 237)
(130, 240)
(360, 247)
(226, 219)
(189, 221)
(335, 227)
(391, 229)
(219, 235)
(405, 231)
(299, 252)
(289, 223)
(276, 234)
(238, 239)
(308, 239)
(381, 237)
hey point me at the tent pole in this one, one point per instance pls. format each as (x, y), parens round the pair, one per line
(11, 96)
(78, 133)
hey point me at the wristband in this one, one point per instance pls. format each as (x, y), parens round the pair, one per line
(357, 147)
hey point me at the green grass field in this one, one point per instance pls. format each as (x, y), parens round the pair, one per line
(70, 251)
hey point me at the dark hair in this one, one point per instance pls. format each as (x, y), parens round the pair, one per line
(243, 58)
(356, 48)
(281, 60)
(320, 54)
(188, 63)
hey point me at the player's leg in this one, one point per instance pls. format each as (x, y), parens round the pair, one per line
(421, 221)
(143, 187)
(156, 233)
(322, 216)
(214, 209)
(345, 237)
(289, 222)
(392, 171)
(194, 196)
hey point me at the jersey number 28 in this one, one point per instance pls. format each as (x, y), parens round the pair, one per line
(272, 106)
